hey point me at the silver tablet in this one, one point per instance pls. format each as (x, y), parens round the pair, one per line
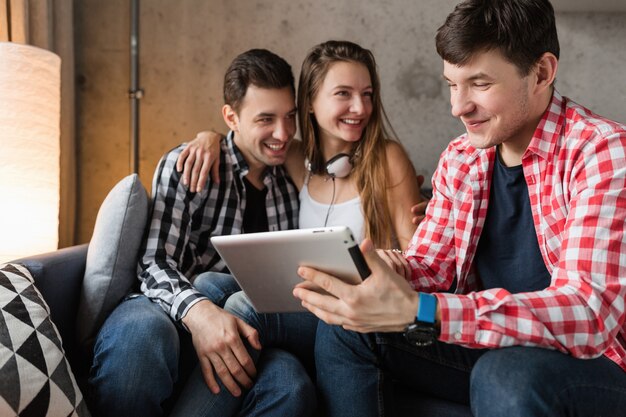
(265, 264)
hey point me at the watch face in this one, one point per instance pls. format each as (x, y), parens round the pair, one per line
(420, 334)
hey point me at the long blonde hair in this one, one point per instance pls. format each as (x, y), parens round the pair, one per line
(369, 156)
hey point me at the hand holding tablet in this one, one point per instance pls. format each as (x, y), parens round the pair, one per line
(265, 264)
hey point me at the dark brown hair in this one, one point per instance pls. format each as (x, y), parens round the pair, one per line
(522, 30)
(259, 67)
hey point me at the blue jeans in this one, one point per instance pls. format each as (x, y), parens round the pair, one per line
(293, 332)
(355, 373)
(281, 389)
(143, 362)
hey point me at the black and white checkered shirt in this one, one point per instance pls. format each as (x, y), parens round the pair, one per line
(177, 247)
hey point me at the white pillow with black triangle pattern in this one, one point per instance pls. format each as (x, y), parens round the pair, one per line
(35, 377)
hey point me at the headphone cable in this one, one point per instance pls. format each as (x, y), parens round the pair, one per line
(332, 201)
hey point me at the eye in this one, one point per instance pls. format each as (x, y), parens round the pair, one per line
(264, 120)
(369, 94)
(451, 85)
(482, 85)
(342, 93)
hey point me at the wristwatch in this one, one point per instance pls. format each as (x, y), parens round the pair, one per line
(423, 332)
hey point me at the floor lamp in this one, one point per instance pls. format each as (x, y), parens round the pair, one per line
(30, 102)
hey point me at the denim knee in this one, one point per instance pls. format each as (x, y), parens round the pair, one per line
(326, 342)
(135, 360)
(217, 286)
(135, 325)
(528, 381)
(331, 341)
(506, 382)
(240, 305)
(283, 387)
(347, 369)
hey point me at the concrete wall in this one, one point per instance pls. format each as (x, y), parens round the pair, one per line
(187, 44)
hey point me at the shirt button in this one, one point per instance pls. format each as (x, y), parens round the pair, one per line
(457, 336)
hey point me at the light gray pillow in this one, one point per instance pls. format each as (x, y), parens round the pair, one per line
(111, 269)
(35, 377)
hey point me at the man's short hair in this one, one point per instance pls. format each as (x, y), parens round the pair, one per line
(259, 67)
(522, 30)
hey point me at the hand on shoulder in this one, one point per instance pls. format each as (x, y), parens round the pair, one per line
(200, 156)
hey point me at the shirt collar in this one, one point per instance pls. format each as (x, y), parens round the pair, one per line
(548, 130)
(240, 165)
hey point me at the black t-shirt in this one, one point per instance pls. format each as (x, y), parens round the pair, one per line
(255, 215)
(508, 253)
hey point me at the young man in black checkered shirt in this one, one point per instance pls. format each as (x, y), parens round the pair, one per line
(149, 344)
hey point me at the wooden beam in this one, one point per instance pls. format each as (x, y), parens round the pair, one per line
(41, 24)
(19, 21)
(4, 20)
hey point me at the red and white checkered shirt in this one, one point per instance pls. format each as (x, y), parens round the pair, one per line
(575, 169)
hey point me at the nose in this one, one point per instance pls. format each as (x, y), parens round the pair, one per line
(284, 130)
(461, 102)
(357, 104)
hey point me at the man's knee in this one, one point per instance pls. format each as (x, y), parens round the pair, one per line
(217, 286)
(284, 384)
(137, 342)
(135, 325)
(240, 305)
(135, 358)
(331, 340)
(510, 381)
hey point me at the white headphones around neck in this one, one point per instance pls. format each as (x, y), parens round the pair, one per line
(339, 166)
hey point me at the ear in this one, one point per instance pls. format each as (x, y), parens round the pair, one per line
(230, 118)
(545, 70)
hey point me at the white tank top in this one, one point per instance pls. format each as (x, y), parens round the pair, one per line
(348, 213)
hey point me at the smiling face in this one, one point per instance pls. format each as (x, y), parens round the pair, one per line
(343, 104)
(495, 103)
(264, 125)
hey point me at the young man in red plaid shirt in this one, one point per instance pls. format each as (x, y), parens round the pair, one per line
(511, 295)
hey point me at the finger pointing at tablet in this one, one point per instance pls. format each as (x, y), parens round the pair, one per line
(384, 302)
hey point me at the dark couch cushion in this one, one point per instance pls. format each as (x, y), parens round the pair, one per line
(59, 276)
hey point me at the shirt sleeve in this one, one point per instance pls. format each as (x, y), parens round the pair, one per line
(431, 252)
(582, 311)
(169, 239)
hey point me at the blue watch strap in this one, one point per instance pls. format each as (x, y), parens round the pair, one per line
(427, 308)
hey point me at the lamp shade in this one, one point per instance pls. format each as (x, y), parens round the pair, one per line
(30, 102)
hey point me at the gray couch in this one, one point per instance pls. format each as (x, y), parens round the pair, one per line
(82, 284)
